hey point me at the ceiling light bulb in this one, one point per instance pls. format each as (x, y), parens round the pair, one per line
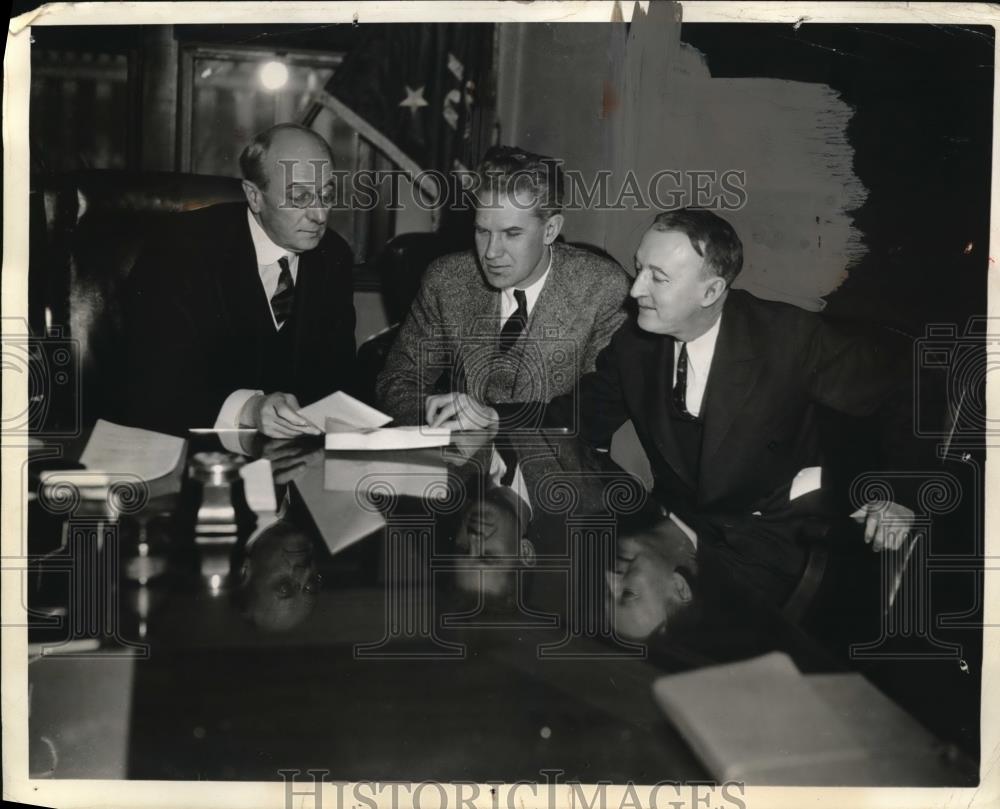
(273, 75)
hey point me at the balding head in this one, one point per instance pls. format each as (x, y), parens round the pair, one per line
(286, 139)
(288, 182)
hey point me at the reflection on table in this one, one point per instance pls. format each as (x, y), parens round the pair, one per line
(472, 612)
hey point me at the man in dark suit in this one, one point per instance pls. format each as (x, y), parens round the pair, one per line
(519, 318)
(722, 389)
(243, 312)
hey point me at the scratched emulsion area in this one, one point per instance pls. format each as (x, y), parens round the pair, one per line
(788, 137)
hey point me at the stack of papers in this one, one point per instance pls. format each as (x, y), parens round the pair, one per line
(353, 425)
(763, 722)
(116, 453)
(389, 438)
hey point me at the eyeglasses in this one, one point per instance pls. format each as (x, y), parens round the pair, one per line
(308, 198)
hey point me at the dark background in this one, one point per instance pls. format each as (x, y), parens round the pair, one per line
(922, 134)
(921, 131)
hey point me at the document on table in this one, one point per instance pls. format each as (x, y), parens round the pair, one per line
(758, 721)
(764, 722)
(346, 413)
(114, 450)
(388, 438)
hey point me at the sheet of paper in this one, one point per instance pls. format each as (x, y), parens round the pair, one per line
(345, 409)
(117, 450)
(339, 517)
(389, 438)
(422, 474)
(807, 480)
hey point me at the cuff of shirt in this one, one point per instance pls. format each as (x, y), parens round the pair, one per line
(229, 417)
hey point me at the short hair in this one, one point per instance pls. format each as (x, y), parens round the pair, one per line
(252, 157)
(711, 236)
(509, 169)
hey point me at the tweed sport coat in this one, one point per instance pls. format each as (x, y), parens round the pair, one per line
(449, 340)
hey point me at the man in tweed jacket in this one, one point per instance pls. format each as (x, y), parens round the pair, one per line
(519, 319)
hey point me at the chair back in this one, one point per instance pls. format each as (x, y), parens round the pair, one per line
(87, 229)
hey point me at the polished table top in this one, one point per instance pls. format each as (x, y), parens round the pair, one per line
(339, 636)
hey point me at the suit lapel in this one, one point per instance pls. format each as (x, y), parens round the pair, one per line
(239, 290)
(731, 381)
(658, 405)
(482, 306)
(308, 285)
(551, 310)
(546, 322)
(478, 319)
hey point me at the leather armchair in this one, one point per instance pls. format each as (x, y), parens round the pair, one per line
(87, 230)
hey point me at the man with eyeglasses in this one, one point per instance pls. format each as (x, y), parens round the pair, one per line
(244, 312)
(276, 579)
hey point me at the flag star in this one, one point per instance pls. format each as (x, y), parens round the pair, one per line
(414, 98)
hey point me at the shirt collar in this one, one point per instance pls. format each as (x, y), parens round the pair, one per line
(267, 251)
(701, 349)
(532, 292)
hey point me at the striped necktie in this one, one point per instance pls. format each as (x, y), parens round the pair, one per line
(283, 298)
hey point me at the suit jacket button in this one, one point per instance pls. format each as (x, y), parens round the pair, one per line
(772, 444)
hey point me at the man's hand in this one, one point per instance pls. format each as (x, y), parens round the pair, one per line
(459, 411)
(276, 415)
(887, 525)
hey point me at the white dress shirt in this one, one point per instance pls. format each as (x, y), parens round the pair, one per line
(268, 254)
(269, 270)
(508, 303)
(699, 354)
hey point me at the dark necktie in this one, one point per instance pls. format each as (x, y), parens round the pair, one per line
(681, 385)
(284, 295)
(505, 449)
(515, 324)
